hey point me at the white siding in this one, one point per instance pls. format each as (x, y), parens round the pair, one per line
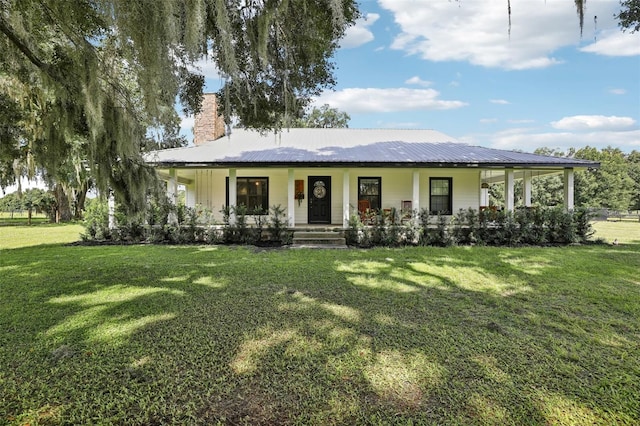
(397, 185)
(465, 186)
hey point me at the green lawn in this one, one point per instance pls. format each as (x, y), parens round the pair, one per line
(21, 219)
(624, 232)
(199, 335)
(25, 236)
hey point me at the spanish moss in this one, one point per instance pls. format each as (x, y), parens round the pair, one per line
(107, 71)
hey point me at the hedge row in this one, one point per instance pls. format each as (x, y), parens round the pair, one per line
(527, 226)
(165, 223)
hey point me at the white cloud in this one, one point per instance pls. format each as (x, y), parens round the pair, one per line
(499, 101)
(25, 184)
(488, 120)
(615, 43)
(478, 31)
(208, 68)
(362, 100)
(398, 125)
(618, 91)
(593, 122)
(521, 121)
(187, 122)
(569, 132)
(418, 81)
(360, 33)
(186, 127)
(528, 139)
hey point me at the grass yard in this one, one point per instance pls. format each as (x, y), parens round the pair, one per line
(206, 335)
(22, 218)
(25, 236)
(624, 232)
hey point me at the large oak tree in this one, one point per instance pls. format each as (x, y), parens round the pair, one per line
(108, 71)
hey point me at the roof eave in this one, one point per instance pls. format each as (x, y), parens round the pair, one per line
(440, 164)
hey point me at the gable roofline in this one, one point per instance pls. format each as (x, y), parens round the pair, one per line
(350, 148)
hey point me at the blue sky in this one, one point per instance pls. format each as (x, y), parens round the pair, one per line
(453, 66)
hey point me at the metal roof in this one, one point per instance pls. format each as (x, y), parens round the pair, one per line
(349, 147)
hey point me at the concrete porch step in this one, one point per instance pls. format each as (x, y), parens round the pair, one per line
(318, 239)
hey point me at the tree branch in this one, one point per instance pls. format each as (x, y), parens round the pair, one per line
(7, 30)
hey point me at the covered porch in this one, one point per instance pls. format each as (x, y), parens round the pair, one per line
(400, 188)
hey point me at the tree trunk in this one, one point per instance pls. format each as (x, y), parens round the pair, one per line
(81, 198)
(62, 202)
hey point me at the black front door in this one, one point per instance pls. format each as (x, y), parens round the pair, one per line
(319, 199)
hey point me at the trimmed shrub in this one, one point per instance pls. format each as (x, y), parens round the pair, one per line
(559, 226)
(96, 221)
(352, 233)
(425, 218)
(582, 219)
(534, 226)
(278, 226)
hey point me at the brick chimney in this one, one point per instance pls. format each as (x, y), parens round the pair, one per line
(208, 125)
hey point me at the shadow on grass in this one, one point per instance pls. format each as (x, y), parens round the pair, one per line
(151, 334)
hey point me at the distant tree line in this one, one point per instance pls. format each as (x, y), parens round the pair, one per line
(31, 201)
(324, 117)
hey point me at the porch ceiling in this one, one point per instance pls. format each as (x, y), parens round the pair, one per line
(183, 176)
(497, 175)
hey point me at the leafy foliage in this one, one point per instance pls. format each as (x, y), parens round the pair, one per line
(108, 71)
(32, 200)
(531, 226)
(629, 15)
(610, 186)
(324, 117)
(165, 223)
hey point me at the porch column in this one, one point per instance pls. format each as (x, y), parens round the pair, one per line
(291, 203)
(233, 195)
(568, 189)
(190, 198)
(172, 194)
(415, 197)
(509, 195)
(172, 187)
(527, 187)
(346, 188)
(111, 205)
(484, 191)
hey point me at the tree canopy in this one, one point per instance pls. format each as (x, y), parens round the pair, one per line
(629, 16)
(108, 71)
(324, 117)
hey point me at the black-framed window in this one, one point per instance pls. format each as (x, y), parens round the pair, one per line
(440, 195)
(370, 189)
(252, 192)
